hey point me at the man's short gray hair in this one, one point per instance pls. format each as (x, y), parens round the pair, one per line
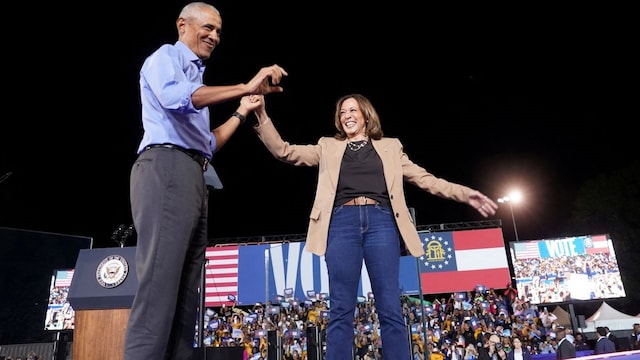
(194, 8)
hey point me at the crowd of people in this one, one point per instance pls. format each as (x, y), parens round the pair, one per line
(596, 278)
(60, 314)
(31, 355)
(472, 325)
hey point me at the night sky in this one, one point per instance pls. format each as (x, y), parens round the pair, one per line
(538, 99)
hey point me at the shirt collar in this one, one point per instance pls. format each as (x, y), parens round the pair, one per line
(189, 55)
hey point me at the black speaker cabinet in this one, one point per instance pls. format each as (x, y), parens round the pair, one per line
(313, 343)
(581, 321)
(220, 353)
(274, 345)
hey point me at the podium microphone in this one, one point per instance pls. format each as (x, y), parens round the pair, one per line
(128, 232)
(117, 234)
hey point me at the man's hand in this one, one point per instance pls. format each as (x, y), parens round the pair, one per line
(267, 80)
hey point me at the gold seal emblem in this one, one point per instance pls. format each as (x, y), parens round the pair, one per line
(112, 271)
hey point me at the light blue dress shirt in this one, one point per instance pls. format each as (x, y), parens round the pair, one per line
(167, 79)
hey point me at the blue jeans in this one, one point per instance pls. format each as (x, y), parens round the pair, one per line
(355, 233)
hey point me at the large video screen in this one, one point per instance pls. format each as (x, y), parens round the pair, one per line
(60, 314)
(27, 261)
(567, 269)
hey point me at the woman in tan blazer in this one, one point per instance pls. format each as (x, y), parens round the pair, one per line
(360, 213)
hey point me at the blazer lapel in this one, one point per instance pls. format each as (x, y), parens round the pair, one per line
(335, 154)
(382, 148)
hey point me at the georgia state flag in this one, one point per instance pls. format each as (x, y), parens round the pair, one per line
(459, 260)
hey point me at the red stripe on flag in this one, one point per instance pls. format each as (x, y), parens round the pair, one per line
(478, 239)
(218, 253)
(600, 241)
(445, 282)
(216, 265)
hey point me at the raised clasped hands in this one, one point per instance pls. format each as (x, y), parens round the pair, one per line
(253, 103)
(267, 80)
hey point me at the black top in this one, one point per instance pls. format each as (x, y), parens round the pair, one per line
(361, 175)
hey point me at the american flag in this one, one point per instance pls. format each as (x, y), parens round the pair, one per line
(526, 250)
(221, 275)
(63, 278)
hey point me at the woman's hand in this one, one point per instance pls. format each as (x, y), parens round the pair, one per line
(482, 203)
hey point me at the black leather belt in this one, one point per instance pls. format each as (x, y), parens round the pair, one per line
(194, 154)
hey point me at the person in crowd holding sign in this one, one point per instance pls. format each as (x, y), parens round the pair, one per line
(360, 214)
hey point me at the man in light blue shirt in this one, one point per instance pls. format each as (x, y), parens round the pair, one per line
(168, 192)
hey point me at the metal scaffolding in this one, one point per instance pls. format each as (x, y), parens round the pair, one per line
(252, 240)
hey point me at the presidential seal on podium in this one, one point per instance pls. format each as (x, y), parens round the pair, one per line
(112, 271)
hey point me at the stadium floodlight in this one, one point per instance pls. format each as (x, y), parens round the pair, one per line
(513, 197)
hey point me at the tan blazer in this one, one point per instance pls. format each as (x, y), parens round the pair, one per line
(327, 155)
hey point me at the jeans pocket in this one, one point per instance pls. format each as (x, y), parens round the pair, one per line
(384, 209)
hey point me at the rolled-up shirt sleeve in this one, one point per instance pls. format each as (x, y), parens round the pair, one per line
(164, 79)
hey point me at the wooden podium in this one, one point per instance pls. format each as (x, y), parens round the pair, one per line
(101, 293)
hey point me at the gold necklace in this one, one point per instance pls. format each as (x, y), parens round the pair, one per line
(357, 145)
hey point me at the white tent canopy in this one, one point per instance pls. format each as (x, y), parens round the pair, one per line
(611, 318)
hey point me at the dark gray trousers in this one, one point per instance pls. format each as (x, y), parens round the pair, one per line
(169, 205)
